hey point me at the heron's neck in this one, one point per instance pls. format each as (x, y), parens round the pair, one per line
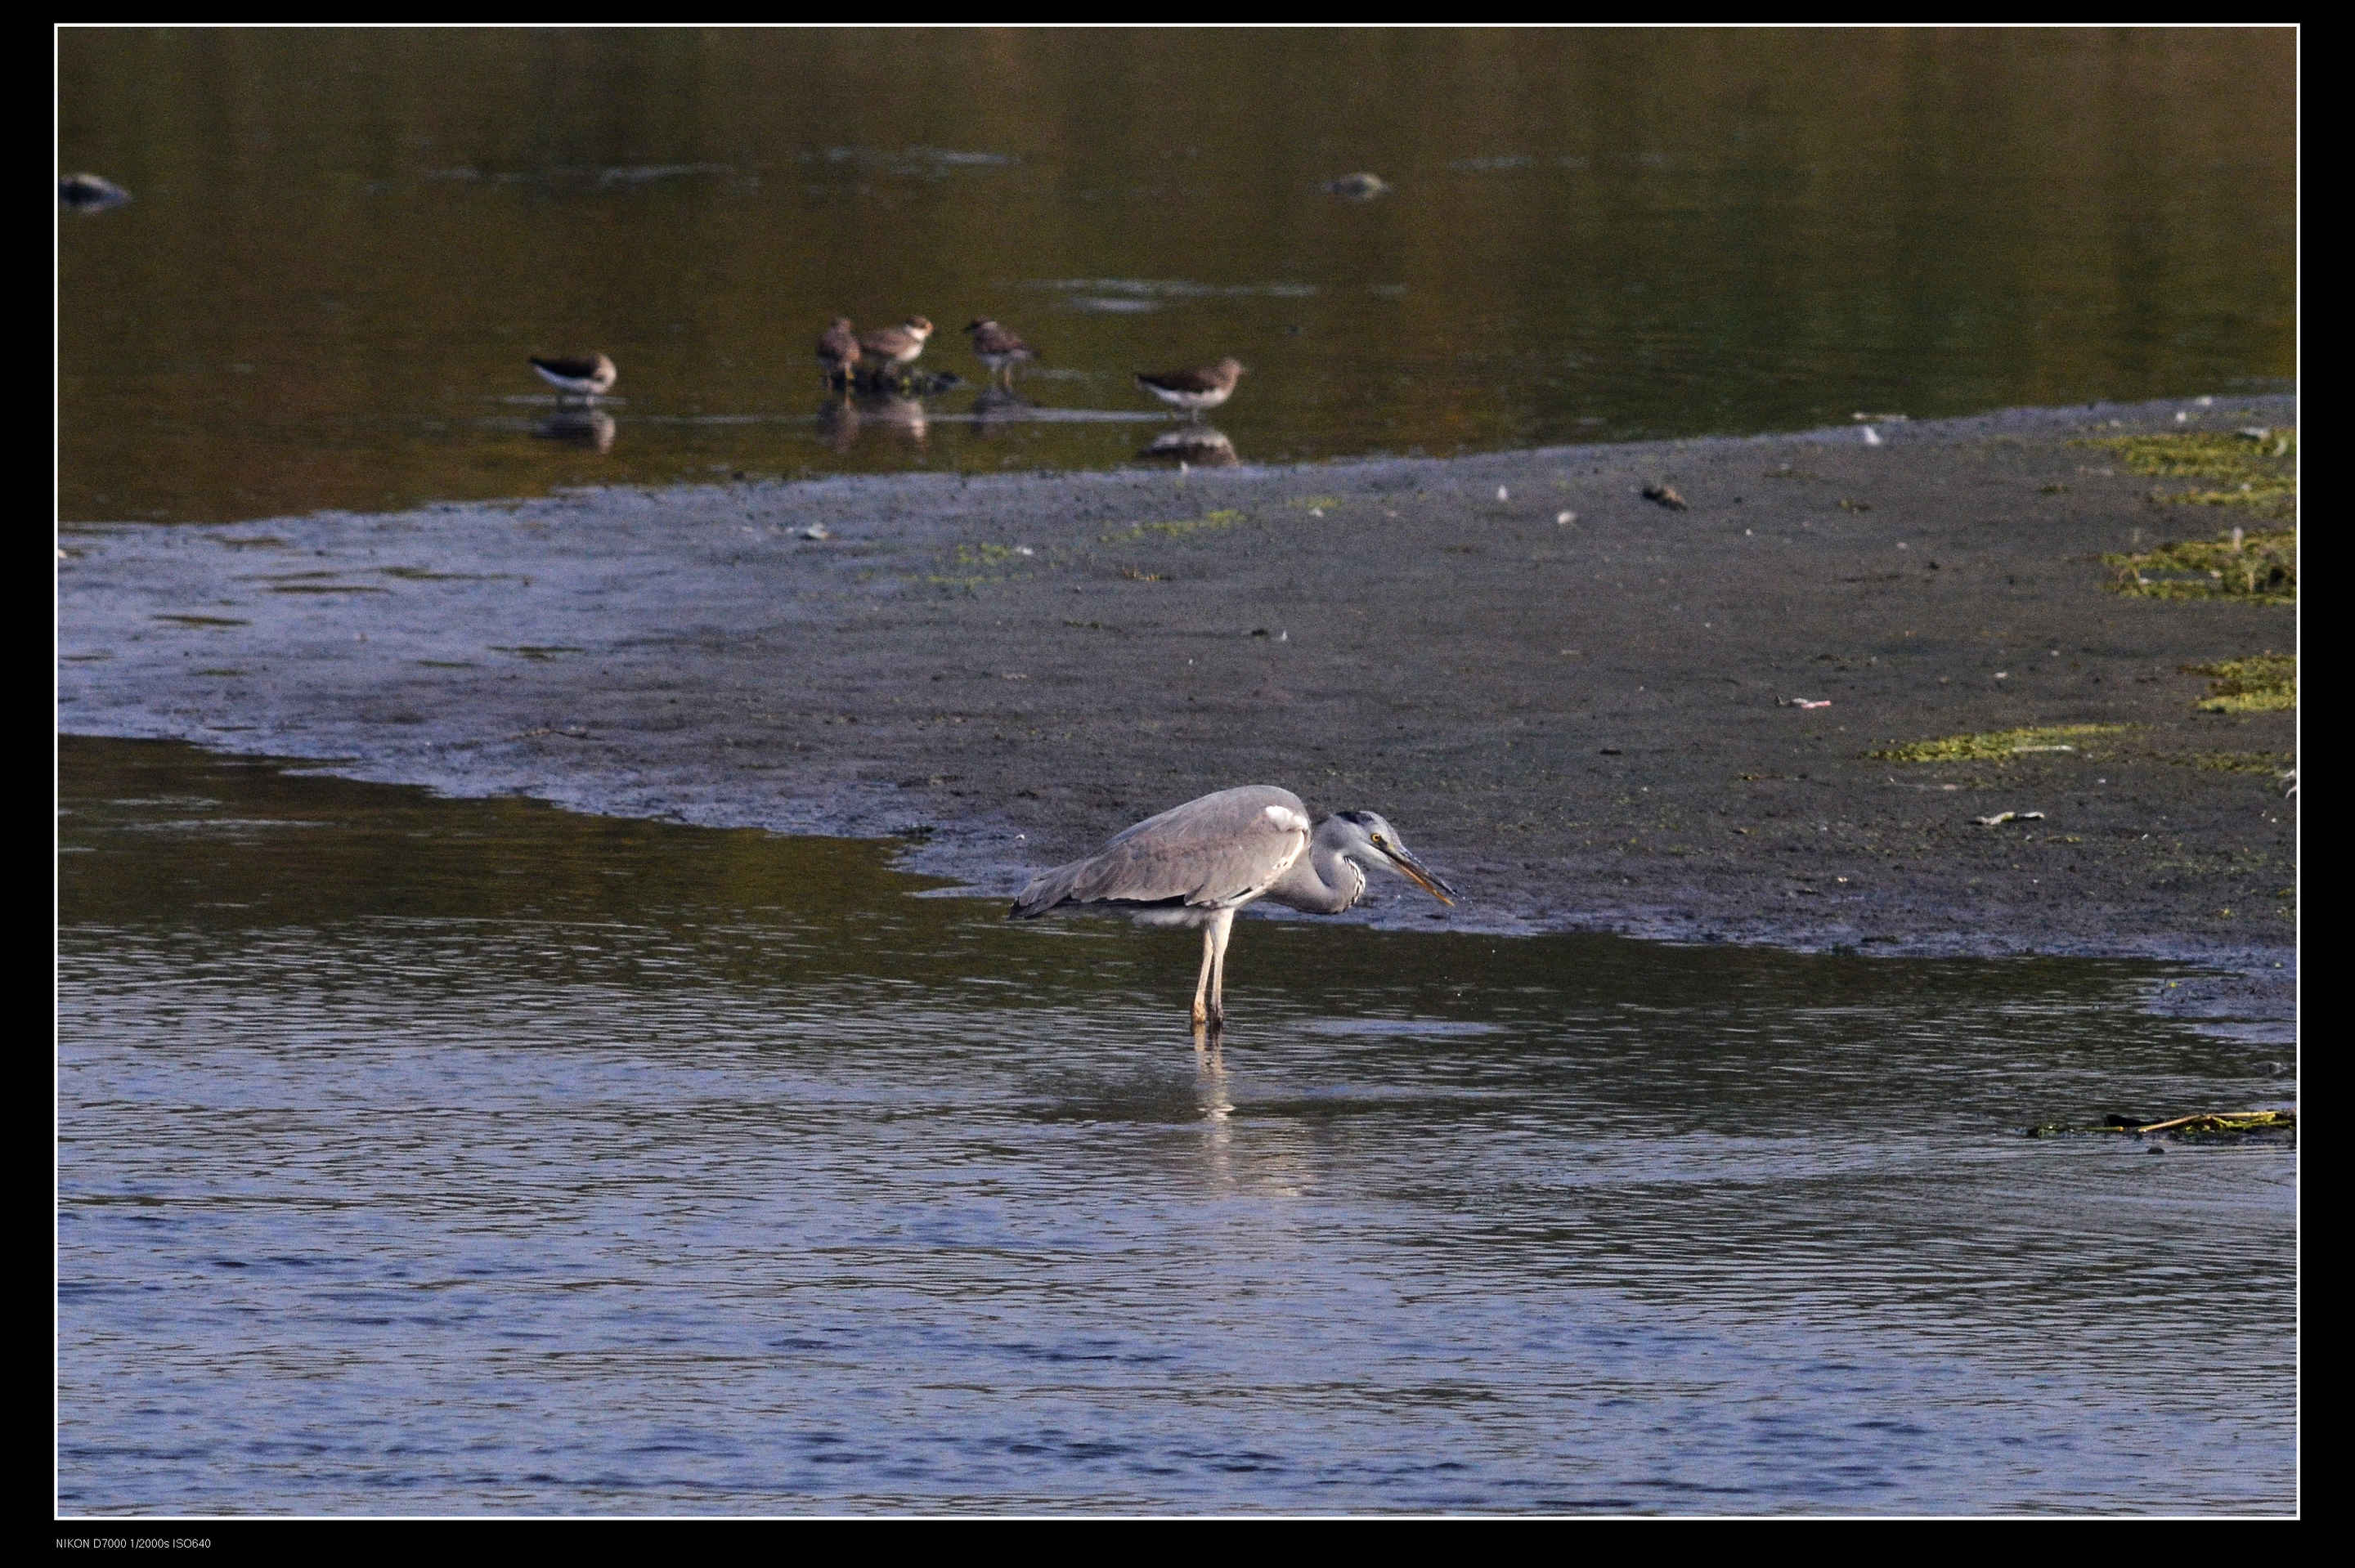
(1322, 881)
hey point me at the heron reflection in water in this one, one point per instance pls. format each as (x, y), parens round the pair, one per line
(1197, 864)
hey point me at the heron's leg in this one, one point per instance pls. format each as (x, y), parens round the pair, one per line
(1202, 980)
(1217, 957)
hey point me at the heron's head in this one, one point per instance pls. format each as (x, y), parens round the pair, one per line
(1368, 836)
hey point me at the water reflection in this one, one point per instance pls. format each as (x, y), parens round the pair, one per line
(1196, 444)
(590, 428)
(894, 416)
(736, 1178)
(1000, 404)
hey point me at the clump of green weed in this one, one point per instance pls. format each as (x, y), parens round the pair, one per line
(2000, 745)
(2262, 567)
(2255, 468)
(2264, 683)
(1225, 517)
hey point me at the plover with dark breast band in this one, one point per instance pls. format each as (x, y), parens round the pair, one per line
(838, 352)
(1195, 390)
(582, 378)
(998, 348)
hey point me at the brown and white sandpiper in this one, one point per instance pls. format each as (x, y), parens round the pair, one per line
(998, 348)
(1195, 390)
(838, 352)
(582, 378)
(895, 348)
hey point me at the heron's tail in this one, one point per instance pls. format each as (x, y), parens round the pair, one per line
(1047, 889)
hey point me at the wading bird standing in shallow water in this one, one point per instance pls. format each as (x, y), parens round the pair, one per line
(837, 354)
(1195, 390)
(889, 349)
(586, 379)
(1197, 864)
(998, 348)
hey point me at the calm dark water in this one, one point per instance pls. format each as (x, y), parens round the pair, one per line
(345, 243)
(431, 1157)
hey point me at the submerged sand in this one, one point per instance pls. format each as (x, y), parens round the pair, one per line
(1590, 710)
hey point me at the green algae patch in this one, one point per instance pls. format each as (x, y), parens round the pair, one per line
(2250, 463)
(2264, 683)
(2260, 567)
(2000, 745)
(971, 567)
(1225, 517)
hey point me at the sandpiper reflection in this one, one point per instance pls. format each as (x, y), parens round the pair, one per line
(995, 404)
(840, 423)
(1196, 444)
(592, 427)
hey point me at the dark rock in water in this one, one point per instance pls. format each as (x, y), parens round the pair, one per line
(90, 193)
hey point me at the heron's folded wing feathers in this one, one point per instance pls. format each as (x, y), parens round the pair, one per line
(1214, 850)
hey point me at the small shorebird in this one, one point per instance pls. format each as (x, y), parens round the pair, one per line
(895, 348)
(583, 378)
(1195, 390)
(998, 348)
(838, 352)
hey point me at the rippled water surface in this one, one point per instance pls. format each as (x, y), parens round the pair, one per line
(433, 1157)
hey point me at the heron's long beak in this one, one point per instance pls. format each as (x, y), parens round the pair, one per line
(1422, 876)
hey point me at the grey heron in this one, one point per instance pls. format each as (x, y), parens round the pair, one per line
(1197, 864)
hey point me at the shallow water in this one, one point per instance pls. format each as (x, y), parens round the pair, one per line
(419, 1156)
(344, 243)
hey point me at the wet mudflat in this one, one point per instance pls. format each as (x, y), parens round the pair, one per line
(1584, 705)
(433, 1156)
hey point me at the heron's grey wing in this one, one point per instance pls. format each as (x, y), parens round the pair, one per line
(1217, 851)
